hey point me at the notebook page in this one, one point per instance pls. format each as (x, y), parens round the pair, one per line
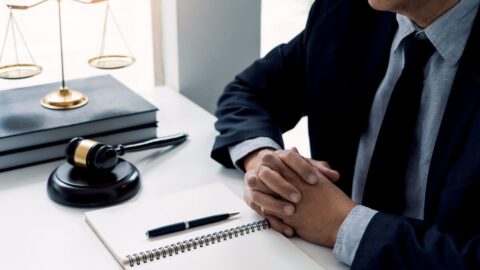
(263, 250)
(122, 229)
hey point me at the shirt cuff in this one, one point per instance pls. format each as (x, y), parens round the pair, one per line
(240, 150)
(351, 232)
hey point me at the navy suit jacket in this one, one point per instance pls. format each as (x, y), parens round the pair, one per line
(331, 72)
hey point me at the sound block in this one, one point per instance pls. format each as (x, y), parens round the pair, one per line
(79, 187)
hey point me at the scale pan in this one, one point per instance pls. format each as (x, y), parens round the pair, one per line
(111, 61)
(19, 71)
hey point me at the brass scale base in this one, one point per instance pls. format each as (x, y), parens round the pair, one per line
(63, 99)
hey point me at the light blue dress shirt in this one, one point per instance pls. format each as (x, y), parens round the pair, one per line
(449, 35)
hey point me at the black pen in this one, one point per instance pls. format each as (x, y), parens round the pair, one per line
(180, 226)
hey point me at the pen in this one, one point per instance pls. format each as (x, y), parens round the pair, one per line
(180, 226)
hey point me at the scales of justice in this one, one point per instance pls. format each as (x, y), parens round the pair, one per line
(63, 98)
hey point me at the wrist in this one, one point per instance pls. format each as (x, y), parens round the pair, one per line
(343, 213)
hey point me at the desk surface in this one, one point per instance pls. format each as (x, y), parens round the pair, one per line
(36, 233)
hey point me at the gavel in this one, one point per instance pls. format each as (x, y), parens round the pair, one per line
(92, 155)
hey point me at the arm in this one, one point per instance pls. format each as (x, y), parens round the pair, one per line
(240, 151)
(326, 216)
(404, 243)
(351, 233)
(266, 99)
(263, 101)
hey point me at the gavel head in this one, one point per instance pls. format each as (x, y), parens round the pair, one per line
(91, 155)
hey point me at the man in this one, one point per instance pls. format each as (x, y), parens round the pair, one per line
(392, 92)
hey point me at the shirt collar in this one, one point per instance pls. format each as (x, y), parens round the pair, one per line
(448, 34)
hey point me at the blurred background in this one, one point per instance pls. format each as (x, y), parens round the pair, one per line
(143, 23)
(82, 30)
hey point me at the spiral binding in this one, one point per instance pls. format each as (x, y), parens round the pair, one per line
(194, 243)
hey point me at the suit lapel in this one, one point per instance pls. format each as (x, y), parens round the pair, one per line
(463, 102)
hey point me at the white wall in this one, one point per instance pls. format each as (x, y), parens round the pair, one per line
(213, 40)
(281, 21)
(207, 42)
(82, 29)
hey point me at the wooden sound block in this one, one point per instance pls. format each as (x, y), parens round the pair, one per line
(78, 187)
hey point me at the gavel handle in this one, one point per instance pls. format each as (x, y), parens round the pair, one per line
(153, 143)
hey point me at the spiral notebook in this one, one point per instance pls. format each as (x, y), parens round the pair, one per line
(243, 242)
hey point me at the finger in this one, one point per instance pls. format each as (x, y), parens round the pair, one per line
(279, 226)
(247, 196)
(271, 160)
(252, 181)
(258, 208)
(272, 205)
(278, 184)
(325, 168)
(300, 165)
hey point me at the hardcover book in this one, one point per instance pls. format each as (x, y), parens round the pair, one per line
(30, 133)
(53, 151)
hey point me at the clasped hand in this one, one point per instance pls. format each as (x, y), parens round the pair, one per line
(296, 195)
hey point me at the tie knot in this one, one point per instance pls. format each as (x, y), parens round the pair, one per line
(417, 51)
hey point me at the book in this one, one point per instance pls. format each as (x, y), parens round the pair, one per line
(112, 106)
(13, 159)
(243, 242)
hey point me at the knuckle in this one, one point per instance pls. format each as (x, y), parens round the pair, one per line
(263, 152)
(274, 222)
(247, 198)
(263, 172)
(250, 174)
(251, 180)
(266, 156)
(255, 196)
(247, 195)
(308, 170)
(307, 173)
(325, 164)
(290, 154)
(281, 154)
(286, 208)
(322, 180)
(276, 227)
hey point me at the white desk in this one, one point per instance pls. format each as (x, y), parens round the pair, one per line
(36, 233)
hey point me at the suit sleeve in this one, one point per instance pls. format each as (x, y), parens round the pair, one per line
(266, 99)
(396, 242)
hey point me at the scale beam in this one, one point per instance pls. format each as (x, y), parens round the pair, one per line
(23, 7)
(26, 7)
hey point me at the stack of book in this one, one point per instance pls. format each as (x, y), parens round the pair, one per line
(31, 134)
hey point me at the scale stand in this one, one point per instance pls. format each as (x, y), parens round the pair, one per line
(63, 98)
